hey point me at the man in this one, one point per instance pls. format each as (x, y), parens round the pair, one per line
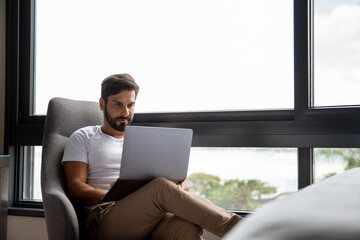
(159, 210)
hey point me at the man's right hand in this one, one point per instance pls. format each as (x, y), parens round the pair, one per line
(112, 183)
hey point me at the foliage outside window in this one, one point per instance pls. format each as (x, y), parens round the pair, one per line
(232, 194)
(246, 178)
(331, 161)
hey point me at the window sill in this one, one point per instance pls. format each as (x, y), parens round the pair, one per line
(27, 212)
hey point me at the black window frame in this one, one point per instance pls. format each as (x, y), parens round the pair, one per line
(304, 127)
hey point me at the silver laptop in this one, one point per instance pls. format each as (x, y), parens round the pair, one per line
(148, 153)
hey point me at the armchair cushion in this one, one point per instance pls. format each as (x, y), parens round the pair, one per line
(64, 218)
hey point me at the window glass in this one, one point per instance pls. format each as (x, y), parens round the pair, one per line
(186, 55)
(242, 178)
(31, 188)
(331, 161)
(233, 178)
(336, 52)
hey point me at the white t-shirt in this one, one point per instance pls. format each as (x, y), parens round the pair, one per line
(100, 151)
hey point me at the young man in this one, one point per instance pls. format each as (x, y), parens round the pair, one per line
(159, 210)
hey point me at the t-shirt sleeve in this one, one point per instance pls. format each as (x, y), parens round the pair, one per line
(76, 148)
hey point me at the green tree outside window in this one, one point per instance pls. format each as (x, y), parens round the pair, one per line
(231, 194)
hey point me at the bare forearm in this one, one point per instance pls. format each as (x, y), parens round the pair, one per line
(76, 186)
(85, 193)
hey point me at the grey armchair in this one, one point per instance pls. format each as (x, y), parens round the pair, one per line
(64, 218)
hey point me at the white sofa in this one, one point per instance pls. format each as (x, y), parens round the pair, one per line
(327, 210)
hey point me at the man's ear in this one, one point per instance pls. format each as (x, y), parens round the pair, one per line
(102, 104)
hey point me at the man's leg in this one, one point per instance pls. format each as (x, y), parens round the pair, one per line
(193, 208)
(174, 228)
(136, 216)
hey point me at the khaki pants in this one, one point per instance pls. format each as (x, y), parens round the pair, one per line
(160, 210)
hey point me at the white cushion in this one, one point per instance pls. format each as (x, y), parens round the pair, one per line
(326, 210)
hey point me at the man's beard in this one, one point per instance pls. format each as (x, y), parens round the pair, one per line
(112, 121)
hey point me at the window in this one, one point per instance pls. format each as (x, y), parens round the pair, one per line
(332, 161)
(186, 56)
(31, 188)
(246, 177)
(262, 173)
(269, 115)
(336, 52)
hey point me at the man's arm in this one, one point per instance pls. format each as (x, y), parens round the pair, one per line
(76, 186)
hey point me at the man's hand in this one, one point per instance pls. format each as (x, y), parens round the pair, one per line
(184, 185)
(112, 183)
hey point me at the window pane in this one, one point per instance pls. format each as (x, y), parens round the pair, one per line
(231, 172)
(186, 55)
(331, 161)
(31, 188)
(336, 52)
(242, 178)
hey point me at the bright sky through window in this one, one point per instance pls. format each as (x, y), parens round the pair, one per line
(336, 52)
(186, 55)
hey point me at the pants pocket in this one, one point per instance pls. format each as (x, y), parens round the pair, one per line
(100, 211)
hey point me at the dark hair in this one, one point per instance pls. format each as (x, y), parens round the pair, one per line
(116, 83)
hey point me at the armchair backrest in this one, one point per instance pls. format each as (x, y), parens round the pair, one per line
(64, 219)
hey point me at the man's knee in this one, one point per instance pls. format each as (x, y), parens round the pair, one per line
(163, 192)
(190, 231)
(161, 183)
(185, 231)
(173, 227)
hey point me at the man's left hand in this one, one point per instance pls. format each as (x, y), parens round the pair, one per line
(184, 185)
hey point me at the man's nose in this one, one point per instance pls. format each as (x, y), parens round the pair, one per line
(125, 111)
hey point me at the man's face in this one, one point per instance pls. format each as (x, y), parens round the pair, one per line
(119, 110)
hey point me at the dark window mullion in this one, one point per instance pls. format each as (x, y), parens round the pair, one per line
(303, 76)
(301, 58)
(305, 167)
(26, 60)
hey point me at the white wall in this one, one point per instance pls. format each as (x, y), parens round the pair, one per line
(18, 227)
(26, 228)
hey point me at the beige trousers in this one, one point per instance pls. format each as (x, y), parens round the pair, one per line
(160, 210)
